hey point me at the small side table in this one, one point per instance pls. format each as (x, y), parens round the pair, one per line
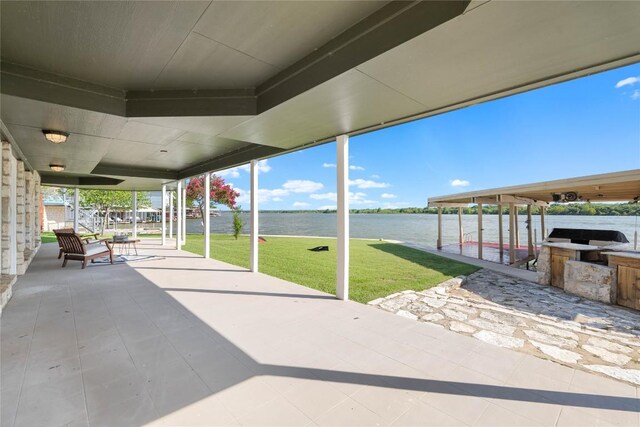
(125, 245)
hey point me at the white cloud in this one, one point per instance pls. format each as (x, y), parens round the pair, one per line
(356, 168)
(364, 183)
(328, 165)
(629, 81)
(357, 198)
(375, 176)
(263, 167)
(388, 196)
(302, 186)
(301, 205)
(328, 208)
(324, 196)
(230, 173)
(459, 183)
(360, 199)
(636, 94)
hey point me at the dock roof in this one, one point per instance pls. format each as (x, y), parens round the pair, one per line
(608, 187)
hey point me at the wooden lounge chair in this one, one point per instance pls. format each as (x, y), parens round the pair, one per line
(74, 247)
(87, 237)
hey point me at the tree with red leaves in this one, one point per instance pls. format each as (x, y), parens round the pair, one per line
(221, 194)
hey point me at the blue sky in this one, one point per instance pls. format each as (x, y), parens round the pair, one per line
(581, 127)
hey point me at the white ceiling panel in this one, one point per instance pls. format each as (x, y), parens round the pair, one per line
(202, 63)
(341, 105)
(203, 125)
(525, 42)
(43, 115)
(280, 32)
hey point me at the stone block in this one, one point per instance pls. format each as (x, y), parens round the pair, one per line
(592, 281)
(543, 266)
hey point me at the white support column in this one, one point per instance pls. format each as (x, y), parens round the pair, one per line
(207, 215)
(342, 162)
(179, 215)
(184, 212)
(439, 241)
(479, 230)
(500, 232)
(134, 213)
(164, 214)
(76, 209)
(512, 231)
(255, 229)
(171, 214)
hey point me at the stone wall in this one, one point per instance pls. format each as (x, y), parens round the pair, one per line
(592, 281)
(8, 242)
(54, 217)
(20, 219)
(543, 266)
(37, 222)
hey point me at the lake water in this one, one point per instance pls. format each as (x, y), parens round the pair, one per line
(416, 228)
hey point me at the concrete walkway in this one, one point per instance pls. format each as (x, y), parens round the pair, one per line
(182, 340)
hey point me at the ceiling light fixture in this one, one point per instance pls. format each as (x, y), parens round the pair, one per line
(55, 136)
(56, 168)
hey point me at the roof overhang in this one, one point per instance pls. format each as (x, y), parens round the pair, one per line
(610, 187)
(152, 92)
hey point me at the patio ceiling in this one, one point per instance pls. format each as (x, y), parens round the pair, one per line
(216, 84)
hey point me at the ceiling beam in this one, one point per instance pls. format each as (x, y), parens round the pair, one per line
(128, 171)
(388, 27)
(235, 158)
(76, 181)
(28, 83)
(175, 103)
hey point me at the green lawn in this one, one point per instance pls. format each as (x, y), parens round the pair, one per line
(377, 268)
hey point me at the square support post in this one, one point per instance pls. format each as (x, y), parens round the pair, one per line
(254, 217)
(439, 241)
(184, 212)
(207, 215)
(134, 213)
(164, 214)
(171, 214)
(479, 230)
(512, 238)
(179, 216)
(76, 210)
(342, 162)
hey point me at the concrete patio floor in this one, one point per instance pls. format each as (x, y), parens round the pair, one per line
(182, 340)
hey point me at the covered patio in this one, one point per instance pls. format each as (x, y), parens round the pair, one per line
(182, 340)
(143, 96)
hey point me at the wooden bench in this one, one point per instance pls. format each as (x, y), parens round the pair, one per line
(76, 248)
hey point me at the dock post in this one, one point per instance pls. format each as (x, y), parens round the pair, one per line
(517, 226)
(439, 241)
(500, 233)
(542, 225)
(460, 229)
(512, 249)
(479, 230)
(529, 232)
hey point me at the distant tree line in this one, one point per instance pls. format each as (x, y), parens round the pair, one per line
(601, 209)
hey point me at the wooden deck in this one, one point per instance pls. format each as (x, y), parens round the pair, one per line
(490, 252)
